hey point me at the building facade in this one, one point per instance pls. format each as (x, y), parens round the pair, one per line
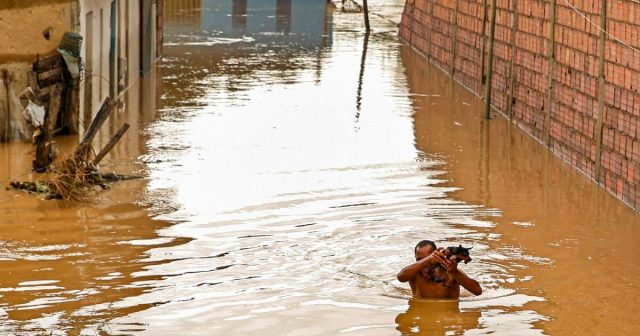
(25, 34)
(121, 39)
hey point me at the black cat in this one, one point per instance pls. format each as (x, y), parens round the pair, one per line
(439, 274)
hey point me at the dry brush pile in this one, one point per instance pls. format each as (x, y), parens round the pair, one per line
(77, 175)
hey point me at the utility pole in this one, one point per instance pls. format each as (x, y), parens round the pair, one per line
(366, 15)
(487, 92)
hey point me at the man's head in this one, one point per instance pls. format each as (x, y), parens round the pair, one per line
(424, 248)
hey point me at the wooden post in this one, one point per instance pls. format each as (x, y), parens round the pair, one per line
(101, 116)
(45, 150)
(598, 130)
(454, 38)
(514, 30)
(363, 60)
(73, 107)
(5, 118)
(487, 91)
(552, 57)
(485, 160)
(484, 42)
(84, 146)
(366, 15)
(112, 142)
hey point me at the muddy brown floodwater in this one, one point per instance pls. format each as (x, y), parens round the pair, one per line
(291, 163)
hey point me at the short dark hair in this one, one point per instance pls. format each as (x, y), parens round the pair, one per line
(424, 243)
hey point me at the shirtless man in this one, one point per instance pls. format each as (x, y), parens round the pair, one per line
(427, 256)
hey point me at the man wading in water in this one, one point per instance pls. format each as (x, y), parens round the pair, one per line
(428, 256)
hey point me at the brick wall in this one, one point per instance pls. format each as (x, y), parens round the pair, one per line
(453, 35)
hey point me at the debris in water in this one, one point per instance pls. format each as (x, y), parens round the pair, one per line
(78, 174)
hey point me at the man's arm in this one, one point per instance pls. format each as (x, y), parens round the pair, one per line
(468, 283)
(409, 272)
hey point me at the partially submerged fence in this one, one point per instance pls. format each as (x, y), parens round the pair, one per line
(565, 71)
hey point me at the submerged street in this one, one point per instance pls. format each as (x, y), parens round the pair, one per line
(290, 164)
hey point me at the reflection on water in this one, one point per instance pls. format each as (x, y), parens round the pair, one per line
(436, 317)
(58, 258)
(268, 208)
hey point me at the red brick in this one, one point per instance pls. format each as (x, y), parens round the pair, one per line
(575, 76)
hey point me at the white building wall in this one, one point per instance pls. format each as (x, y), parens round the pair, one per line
(127, 48)
(133, 59)
(99, 11)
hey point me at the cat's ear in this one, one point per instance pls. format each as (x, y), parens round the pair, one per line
(460, 246)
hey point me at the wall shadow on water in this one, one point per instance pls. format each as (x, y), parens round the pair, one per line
(547, 209)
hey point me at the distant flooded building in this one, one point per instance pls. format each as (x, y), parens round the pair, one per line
(272, 23)
(117, 42)
(212, 32)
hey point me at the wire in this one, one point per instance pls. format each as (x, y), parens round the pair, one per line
(85, 74)
(14, 178)
(600, 28)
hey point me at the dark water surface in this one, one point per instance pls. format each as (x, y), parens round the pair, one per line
(291, 163)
